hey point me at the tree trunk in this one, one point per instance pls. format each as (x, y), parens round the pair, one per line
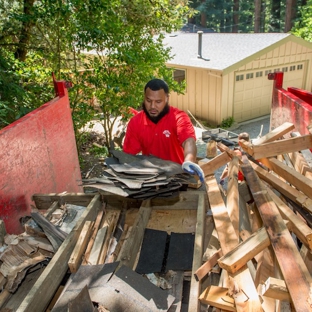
(288, 15)
(235, 16)
(257, 15)
(25, 33)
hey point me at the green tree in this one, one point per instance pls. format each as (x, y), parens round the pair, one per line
(108, 49)
(303, 27)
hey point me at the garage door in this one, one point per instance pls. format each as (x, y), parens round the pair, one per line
(253, 90)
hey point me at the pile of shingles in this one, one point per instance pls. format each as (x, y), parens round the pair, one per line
(263, 225)
(31, 250)
(140, 177)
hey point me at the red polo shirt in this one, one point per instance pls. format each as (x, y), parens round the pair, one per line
(163, 140)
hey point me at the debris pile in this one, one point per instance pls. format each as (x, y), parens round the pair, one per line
(263, 225)
(140, 177)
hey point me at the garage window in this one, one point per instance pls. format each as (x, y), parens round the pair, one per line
(292, 68)
(259, 74)
(299, 66)
(239, 77)
(285, 69)
(249, 76)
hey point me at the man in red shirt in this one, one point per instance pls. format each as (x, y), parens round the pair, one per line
(162, 131)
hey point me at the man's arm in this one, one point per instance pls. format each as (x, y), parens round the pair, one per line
(190, 150)
(189, 165)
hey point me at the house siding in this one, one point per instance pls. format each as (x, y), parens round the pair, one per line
(252, 97)
(214, 96)
(203, 94)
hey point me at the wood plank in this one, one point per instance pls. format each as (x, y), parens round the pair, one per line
(83, 239)
(284, 188)
(218, 297)
(293, 177)
(131, 246)
(245, 251)
(95, 252)
(51, 209)
(111, 219)
(204, 269)
(212, 165)
(42, 292)
(95, 229)
(176, 290)
(296, 224)
(115, 253)
(274, 288)
(228, 240)
(232, 198)
(193, 304)
(44, 201)
(295, 273)
(274, 134)
(279, 147)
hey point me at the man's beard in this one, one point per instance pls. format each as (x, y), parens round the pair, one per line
(155, 120)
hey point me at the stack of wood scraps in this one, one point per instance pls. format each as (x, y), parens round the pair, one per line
(264, 233)
(30, 251)
(140, 177)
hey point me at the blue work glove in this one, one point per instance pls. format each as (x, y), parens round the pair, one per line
(193, 168)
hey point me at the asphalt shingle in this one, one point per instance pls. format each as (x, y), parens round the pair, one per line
(219, 50)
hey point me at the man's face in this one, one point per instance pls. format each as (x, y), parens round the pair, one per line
(155, 101)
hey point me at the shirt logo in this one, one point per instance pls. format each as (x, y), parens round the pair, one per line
(167, 133)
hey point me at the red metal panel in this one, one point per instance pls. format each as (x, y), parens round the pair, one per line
(38, 155)
(290, 106)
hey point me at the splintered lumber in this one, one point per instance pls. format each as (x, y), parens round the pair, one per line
(130, 248)
(296, 224)
(110, 221)
(204, 269)
(76, 256)
(52, 208)
(43, 290)
(274, 288)
(193, 304)
(278, 147)
(232, 198)
(95, 229)
(284, 188)
(214, 164)
(218, 297)
(293, 177)
(275, 134)
(97, 246)
(245, 251)
(115, 253)
(294, 270)
(55, 235)
(246, 296)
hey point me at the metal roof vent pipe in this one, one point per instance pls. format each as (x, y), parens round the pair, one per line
(200, 41)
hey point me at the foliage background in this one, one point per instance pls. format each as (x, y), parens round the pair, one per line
(110, 49)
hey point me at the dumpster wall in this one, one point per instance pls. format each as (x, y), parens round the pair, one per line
(291, 105)
(38, 155)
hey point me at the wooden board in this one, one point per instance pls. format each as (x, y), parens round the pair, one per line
(42, 292)
(295, 273)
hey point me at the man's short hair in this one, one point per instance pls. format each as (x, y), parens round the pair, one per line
(157, 84)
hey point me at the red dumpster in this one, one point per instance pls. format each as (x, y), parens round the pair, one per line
(292, 105)
(38, 155)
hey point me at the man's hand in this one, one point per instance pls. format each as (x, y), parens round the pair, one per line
(193, 168)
